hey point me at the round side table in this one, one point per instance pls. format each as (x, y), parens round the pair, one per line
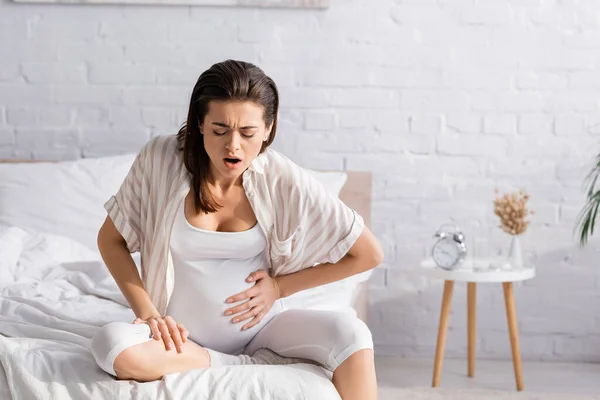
(473, 272)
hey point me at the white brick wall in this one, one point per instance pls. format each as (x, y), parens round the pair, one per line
(442, 100)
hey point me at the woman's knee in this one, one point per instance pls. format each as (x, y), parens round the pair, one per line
(133, 363)
(352, 332)
(353, 335)
(115, 341)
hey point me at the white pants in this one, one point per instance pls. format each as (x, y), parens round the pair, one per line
(324, 337)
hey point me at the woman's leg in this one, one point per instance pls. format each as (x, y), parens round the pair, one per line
(338, 341)
(127, 351)
(355, 377)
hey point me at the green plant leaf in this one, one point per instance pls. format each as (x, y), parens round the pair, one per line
(587, 217)
(593, 214)
(592, 177)
(586, 220)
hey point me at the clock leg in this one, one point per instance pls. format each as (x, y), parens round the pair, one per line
(511, 316)
(471, 306)
(441, 341)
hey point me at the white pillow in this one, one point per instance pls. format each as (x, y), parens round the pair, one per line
(334, 181)
(41, 250)
(24, 254)
(64, 198)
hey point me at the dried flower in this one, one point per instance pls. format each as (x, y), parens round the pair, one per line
(512, 210)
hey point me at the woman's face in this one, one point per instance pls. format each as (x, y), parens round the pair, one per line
(233, 130)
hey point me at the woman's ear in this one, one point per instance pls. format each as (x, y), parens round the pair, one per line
(201, 126)
(268, 132)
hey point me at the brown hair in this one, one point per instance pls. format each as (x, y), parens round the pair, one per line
(227, 80)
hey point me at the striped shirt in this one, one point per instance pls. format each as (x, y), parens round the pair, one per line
(305, 223)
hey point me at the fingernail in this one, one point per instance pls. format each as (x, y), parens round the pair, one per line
(244, 328)
(229, 300)
(235, 320)
(228, 313)
(249, 279)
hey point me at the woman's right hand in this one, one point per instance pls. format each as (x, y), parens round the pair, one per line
(165, 328)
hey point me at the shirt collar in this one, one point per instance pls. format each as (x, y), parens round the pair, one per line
(257, 164)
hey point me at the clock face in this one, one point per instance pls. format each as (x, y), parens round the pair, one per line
(445, 253)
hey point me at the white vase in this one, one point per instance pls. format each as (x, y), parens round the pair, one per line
(515, 255)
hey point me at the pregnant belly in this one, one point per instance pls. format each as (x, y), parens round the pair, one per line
(199, 304)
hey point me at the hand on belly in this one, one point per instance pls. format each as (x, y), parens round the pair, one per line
(254, 302)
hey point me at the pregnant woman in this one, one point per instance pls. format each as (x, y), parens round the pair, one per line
(226, 228)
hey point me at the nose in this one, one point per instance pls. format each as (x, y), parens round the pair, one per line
(234, 142)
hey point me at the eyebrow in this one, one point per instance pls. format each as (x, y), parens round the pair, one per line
(227, 126)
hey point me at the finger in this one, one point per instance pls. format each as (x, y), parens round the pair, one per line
(175, 334)
(154, 328)
(242, 307)
(177, 339)
(256, 275)
(246, 294)
(166, 336)
(254, 321)
(252, 313)
(137, 321)
(184, 332)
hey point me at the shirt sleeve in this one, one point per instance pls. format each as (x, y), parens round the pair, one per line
(124, 208)
(327, 226)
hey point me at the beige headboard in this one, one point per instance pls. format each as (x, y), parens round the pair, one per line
(356, 193)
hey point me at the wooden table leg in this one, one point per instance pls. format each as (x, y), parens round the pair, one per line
(511, 316)
(441, 341)
(471, 306)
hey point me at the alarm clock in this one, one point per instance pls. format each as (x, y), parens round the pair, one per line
(450, 250)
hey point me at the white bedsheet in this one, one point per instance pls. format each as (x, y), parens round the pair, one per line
(50, 307)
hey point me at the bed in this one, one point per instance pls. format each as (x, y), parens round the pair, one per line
(55, 293)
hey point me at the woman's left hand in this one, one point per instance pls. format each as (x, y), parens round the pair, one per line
(260, 297)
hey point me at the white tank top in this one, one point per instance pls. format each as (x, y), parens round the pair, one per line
(210, 266)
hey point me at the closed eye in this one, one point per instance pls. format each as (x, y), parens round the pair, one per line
(218, 133)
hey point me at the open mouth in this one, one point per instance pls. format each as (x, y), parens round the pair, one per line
(232, 163)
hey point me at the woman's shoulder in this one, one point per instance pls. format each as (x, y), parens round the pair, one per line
(286, 176)
(161, 146)
(276, 166)
(159, 150)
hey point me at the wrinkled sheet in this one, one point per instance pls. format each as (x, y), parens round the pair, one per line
(54, 295)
